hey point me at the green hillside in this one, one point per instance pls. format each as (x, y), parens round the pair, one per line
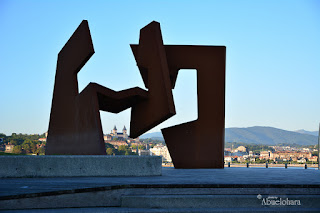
(259, 135)
(268, 135)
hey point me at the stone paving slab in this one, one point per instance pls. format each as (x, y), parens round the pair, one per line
(234, 177)
(169, 210)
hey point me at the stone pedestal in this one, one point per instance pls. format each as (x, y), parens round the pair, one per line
(79, 166)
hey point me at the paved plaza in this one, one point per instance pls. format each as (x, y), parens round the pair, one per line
(170, 176)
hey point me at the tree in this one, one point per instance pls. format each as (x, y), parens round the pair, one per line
(14, 142)
(2, 137)
(134, 146)
(17, 149)
(141, 147)
(43, 135)
(122, 148)
(34, 148)
(40, 151)
(27, 146)
(109, 145)
(110, 151)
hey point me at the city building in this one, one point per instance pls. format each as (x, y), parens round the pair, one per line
(241, 159)
(313, 159)
(9, 148)
(238, 153)
(116, 144)
(242, 149)
(302, 160)
(282, 153)
(107, 137)
(289, 155)
(42, 139)
(252, 159)
(163, 151)
(142, 152)
(119, 136)
(264, 155)
(228, 158)
(134, 143)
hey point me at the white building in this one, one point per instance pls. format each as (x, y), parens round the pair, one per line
(302, 160)
(241, 149)
(228, 158)
(144, 152)
(163, 151)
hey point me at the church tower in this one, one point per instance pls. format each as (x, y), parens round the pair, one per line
(125, 135)
(114, 131)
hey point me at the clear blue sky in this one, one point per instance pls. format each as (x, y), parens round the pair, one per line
(272, 69)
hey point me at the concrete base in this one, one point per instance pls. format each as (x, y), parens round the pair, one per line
(79, 166)
(176, 190)
(169, 198)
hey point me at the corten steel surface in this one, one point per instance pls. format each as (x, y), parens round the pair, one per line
(152, 62)
(200, 143)
(75, 126)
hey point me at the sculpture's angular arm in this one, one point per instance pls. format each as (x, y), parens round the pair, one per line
(113, 101)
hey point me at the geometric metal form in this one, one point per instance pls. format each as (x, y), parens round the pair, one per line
(75, 126)
(200, 143)
(153, 66)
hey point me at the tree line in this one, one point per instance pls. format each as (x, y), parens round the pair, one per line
(24, 143)
(122, 150)
(250, 147)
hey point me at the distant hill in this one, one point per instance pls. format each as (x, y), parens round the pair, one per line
(268, 135)
(153, 135)
(258, 135)
(302, 131)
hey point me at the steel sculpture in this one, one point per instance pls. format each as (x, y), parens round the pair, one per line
(75, 126)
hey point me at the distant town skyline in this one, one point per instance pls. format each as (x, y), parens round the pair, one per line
(272, 61)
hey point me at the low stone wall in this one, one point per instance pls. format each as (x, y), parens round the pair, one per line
(79, 166)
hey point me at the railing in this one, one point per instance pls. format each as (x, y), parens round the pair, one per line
(267, 165)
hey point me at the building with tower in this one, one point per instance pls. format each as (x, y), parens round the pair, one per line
(115, 135)
(119, 136)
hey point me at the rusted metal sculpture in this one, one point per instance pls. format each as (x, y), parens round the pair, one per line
(151, 59)
(200, 143)
(75, 126)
